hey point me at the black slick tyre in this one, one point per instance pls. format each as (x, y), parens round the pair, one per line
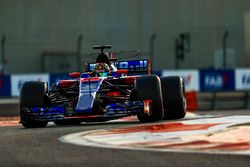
(33, 94)
(174, 101)
(149, 88)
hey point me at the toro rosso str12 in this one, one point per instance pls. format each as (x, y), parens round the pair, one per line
(109, 89)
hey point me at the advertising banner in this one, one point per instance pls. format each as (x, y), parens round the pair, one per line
(242, 79)
(5, 90)
(18, 80)
(190, 77)
(217, 80)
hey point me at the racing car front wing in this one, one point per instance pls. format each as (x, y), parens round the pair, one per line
(112, 111)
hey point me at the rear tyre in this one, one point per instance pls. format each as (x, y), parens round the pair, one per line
(149, 88)
(174, 101)
(33, 94)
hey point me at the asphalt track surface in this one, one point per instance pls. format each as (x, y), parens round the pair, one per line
(41, 147)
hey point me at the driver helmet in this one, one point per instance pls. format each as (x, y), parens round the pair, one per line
(103, 58)
(101, 67)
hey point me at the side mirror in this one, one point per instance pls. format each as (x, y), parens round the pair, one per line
(74, 74)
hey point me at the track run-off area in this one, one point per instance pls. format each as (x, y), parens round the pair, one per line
(204, 134)
(218, 138)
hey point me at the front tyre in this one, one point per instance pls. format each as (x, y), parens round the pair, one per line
(33, 94)
(174, 101)
(149, 88)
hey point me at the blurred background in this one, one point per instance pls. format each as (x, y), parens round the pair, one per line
(48, 35)
(206, 42)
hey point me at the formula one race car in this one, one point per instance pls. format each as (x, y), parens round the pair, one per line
(109, 89)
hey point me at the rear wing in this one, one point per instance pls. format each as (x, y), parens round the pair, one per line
(143, 66)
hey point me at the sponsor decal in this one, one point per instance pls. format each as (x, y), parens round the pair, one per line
(242, 77)
(217, 80)
(88, 93)
(190, 77)
(86, 88)
(133, 65)
(18, 80)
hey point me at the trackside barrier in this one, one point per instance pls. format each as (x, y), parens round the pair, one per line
(191, 78)
(217, 80)
(231, 100)
(223, 100)
(191, 100)
(215, 89)
(205, 101)
(17, 81)
(5, 86)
